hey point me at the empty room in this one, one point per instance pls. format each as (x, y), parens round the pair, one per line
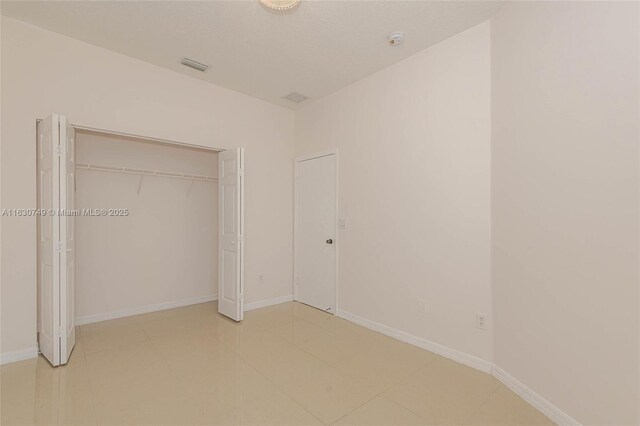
(308, 212)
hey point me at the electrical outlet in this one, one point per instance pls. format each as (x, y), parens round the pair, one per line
(261, 279)
(481, 321)
(422, 307)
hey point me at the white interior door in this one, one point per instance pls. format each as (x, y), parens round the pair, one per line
(231, 233)
(68, 239)
(315, 232)
(48, 239)
(56, 239)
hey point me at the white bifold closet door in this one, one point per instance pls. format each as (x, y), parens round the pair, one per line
(231, 233)
(56, 239)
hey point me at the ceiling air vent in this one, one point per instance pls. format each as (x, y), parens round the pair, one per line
(295, 97)
(194, 64)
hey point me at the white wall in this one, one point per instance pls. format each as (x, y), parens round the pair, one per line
(43, 72)
(565, 204)
(414, 174)
(166, 249)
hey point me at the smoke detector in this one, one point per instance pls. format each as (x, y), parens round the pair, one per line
(396, 39)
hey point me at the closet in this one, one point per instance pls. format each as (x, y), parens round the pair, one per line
(160, 227)
(132, 225)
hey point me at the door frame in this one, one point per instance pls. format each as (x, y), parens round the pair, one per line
(337, 238)
(147, 138)
(141, 137)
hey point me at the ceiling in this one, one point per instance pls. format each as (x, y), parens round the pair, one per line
(317, 49)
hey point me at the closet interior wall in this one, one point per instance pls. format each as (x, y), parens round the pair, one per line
(164, 252)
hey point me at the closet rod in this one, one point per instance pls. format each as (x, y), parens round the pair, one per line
(144, 172)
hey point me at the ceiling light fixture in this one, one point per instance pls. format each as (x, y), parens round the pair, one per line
(280, 4)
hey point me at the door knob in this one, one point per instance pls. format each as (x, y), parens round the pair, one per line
(329, 241)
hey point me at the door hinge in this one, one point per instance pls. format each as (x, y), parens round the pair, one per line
(59, 246)
(241, 172)
(59, 150)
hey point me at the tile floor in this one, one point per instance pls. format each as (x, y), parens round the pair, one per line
(283, 365)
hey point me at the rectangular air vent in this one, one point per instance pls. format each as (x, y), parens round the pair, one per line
(194, 64)
(295, 97)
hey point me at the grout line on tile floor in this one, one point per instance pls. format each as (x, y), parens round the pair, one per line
(277, 386)
(332, 367)
(91, 394)
(380, 394)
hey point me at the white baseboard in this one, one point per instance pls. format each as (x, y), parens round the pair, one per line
(545, 407)
(88, 319)
(548, 409)
(268, 302)
(456, 355)
(16, 356)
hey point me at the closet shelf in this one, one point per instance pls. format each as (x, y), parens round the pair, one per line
(144, 172)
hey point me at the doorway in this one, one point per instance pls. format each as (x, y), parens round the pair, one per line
(170, 187)
(315, 231)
